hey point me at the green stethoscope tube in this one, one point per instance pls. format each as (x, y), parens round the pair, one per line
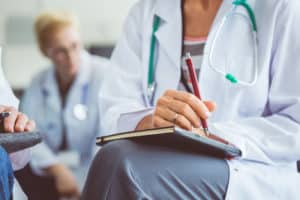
(249, 10)
(151, 84)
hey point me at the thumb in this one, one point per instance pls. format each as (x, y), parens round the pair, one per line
(211, 105)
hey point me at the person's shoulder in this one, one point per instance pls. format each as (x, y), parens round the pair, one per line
(287, 2)
(278, 11)
(145, 4)
(292, 6)
(98, 63)
(287, 10)
(281, 5)
(39, 78)
(34, 91)
(143, 8)
(98, 66)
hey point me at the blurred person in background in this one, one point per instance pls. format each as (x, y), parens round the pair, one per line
(63, 99)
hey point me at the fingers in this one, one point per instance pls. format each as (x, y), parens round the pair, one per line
(72, 193)
(196, 104)
(185, 107)
(9, 122)
(30, 126)
(211, 106)
(173, 118)
(160, 122)
(65, 181)
(16, 121)
(183, 123)
(2, 108)
(168, 107)
(21, 122)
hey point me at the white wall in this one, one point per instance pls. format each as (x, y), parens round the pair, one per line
(101, 23)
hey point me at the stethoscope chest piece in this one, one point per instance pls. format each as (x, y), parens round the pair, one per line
(80, 112)
(150, 91)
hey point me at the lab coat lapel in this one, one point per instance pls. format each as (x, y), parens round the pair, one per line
(169, 34)
(50, 92)
(168, 44)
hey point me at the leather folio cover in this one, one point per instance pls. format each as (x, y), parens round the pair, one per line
(13, 142)
(178, 139)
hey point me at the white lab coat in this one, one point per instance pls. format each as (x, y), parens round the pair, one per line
(18, 159)
(42, 103)
(263, 120)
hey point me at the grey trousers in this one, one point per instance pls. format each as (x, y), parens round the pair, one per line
(131, 170)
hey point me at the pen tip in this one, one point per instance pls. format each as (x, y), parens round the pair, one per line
(206, 132)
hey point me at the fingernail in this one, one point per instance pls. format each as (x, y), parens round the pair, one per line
(208, 114)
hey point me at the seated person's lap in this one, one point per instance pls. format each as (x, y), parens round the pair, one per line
(126, 169)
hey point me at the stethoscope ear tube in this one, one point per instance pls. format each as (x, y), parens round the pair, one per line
(228, 76)
(249, 11)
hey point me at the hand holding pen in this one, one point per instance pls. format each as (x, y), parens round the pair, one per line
(12, 120)
(181, 109)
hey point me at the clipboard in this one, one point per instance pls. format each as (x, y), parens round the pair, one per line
(13, 142)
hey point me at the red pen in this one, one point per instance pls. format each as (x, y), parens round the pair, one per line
(196, 89)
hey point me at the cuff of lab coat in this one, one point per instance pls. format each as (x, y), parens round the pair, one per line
(38, 167)
(42, 157)
(19, 159)
(129, 121)
(44, 163)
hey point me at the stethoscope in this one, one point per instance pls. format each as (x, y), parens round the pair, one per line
(250, 19)
(80, 110)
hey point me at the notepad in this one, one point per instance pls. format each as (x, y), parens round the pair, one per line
(173, 137)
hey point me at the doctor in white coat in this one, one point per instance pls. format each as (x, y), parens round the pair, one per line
(63, 99)
(15, 122)
(255, 44)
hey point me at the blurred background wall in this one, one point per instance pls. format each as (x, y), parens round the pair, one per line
(101, 24)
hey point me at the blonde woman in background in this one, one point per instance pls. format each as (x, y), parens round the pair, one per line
(63, 101)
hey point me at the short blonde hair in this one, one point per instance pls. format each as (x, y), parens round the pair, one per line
(50, 22)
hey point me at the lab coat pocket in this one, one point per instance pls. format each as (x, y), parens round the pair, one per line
(248, 101)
